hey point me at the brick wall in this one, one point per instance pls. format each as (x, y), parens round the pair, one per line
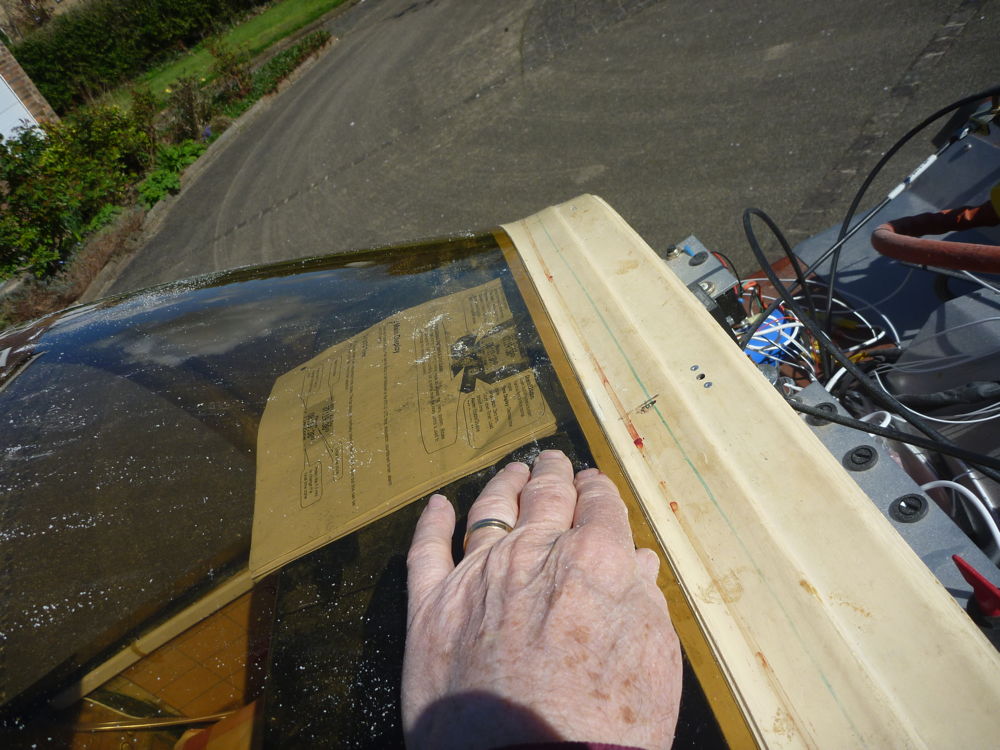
(18, 80)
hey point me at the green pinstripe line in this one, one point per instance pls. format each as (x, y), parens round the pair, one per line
(701, 479)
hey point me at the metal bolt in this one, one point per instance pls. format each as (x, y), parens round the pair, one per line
(672, 252)
(908, 508)
(861, 458)
(707, 286)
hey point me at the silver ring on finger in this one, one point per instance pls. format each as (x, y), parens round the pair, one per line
(486, 523)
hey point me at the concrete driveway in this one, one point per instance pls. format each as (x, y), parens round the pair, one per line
(431, 117)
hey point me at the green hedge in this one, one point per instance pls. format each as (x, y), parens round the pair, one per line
(56, 184)
(267, 77)
(103, 43)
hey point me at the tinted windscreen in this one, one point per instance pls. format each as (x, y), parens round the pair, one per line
(128, 444)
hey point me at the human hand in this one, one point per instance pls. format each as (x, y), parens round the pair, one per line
(553, 631)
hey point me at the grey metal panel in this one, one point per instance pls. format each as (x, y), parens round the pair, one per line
(710, 271)
(935, 537)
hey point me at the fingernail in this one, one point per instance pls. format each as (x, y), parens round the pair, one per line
(437, 501)
(518, 466)
(587, 473)
(551, 452)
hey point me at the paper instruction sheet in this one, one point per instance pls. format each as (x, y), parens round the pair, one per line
(428, 395)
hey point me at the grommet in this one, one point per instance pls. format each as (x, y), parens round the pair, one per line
(908, 508)
(861, 458)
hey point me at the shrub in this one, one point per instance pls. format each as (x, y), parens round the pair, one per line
(58, 180)
(267, 77)
(281, 65)
(166, 178)
(145, 112)
(189, 109)
(230, 70)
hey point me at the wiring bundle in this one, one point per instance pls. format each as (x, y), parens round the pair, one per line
(813, 332)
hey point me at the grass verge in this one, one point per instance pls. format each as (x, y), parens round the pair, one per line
(255, 36)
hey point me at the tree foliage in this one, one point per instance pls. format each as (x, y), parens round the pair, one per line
(56, 183)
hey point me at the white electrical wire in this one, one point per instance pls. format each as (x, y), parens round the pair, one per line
(772, 353)
(783, 345)
(798, 365)
(885, 416)
(834, 378)
(866, 305)
(976, 412)
(940, 419)
(802, 355)
(976, 501)
(761, 333)
(981, 282)
(944, 361)
(960, 326)
(893, 293)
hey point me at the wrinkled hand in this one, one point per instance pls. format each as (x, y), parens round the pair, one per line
(553, 631)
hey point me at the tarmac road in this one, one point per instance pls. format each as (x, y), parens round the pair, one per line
(433, 117)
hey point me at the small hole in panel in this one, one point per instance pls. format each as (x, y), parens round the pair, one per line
(700, 376)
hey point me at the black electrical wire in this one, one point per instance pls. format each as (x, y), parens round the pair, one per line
(882, 397)
(800, 278)
(859, 195)
(732, 267)
(969, 457)
(749, 334)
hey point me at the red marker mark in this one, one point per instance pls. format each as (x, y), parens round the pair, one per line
(674, 506)
(632, 432)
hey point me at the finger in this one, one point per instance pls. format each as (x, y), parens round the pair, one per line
(497, 500)
(429, 561)
(549, 497)
(649, 563)
(601, 504)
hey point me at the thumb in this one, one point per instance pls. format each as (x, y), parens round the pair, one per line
(429, 561)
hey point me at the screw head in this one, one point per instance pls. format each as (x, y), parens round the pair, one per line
(908, 508)
(861, 458)
(707, 286)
